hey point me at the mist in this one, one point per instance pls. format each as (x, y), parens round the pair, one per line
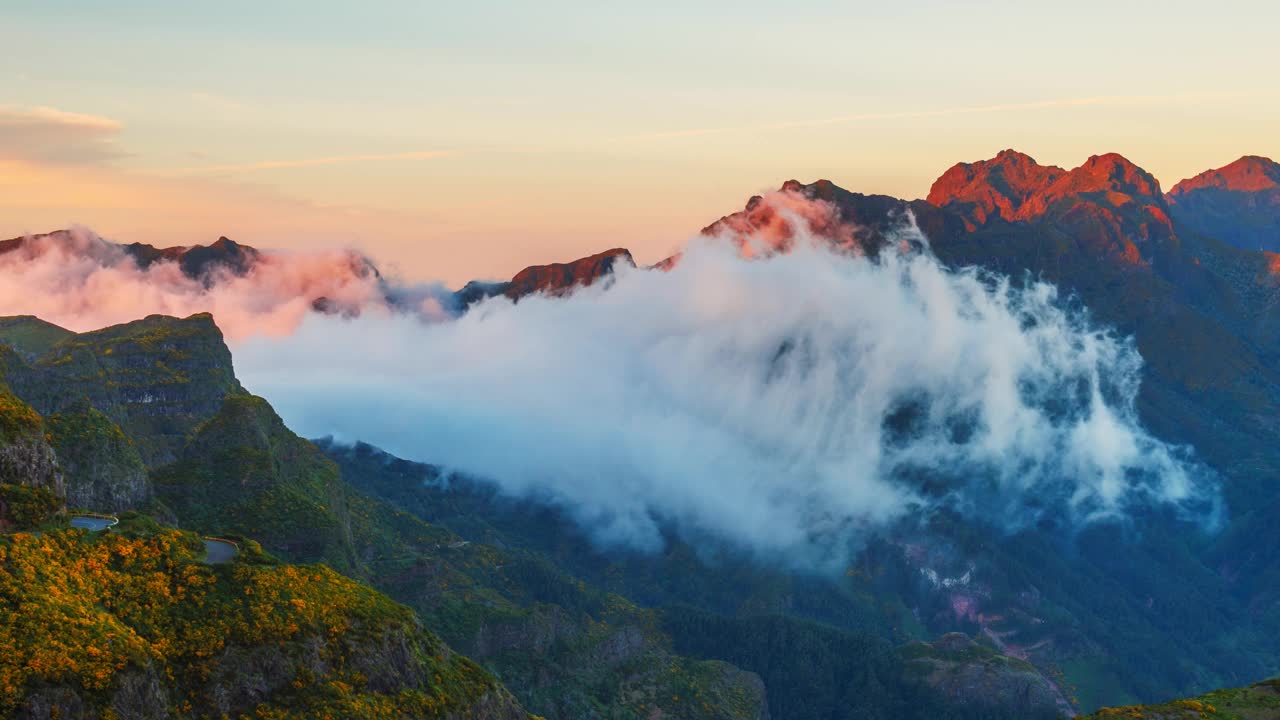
(786, 398)
(80, 281)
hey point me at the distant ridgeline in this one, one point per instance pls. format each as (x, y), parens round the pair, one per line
(148, 417)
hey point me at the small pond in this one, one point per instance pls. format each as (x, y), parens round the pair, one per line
(219, 551)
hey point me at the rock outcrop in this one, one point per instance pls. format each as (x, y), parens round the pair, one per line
(976, 675)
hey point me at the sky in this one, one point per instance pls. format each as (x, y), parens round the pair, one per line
(453, 141)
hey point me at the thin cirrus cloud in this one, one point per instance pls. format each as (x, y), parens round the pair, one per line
(317, 162)
(52, 136)
(1097, 100)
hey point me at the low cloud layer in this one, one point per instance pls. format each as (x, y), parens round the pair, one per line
(79, 281)
(787, 404)
(775, 388)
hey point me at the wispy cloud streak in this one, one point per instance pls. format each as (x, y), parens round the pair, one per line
(316, 162)
(50, 135)
(1098, 100)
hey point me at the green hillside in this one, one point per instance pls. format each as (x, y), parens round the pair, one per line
(132, 624)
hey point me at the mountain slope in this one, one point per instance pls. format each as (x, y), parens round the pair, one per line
(244, 472)
(156, 378)
(240, 472)
(811, 670)
(1260, 701)
(1153, 607)
(132, 624)
(1238, 203)
(1200, 314)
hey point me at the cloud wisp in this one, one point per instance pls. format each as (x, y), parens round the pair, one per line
(80, 281)
(789, 403)
(317, 162)
(1076, 102)
(49, 135)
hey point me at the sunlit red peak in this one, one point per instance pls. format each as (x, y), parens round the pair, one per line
(1111, 172)
(1251, 173)
(993, 188)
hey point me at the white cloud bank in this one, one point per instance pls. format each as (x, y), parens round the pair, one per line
(786, 404)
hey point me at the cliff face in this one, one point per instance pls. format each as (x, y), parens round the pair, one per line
(26, 457)
(113, 402)
(106, 472)
(156, 378)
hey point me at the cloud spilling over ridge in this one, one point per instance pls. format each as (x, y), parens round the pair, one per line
(82, 282)
(786, 402)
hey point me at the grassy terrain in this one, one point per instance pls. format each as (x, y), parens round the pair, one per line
(1256, 702)
(30, 335)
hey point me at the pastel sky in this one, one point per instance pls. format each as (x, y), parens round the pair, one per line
(469, 139)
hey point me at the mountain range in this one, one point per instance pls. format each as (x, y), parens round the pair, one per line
(941, 618)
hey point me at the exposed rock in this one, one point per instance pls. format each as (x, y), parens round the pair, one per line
(1109, 205)
(993, 188)
(562, 278)
(26, 457)
(972, 674)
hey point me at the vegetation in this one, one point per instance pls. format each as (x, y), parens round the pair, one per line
(107, 473)
(16, 417)
(567, 627)
(31, 336)
(120, 618)
(1256, 702)
(244, 472)
(25, 508)
(156, 378)
(814, 671)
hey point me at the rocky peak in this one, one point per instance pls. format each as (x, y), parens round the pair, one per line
(993, 188)
(1109, 173)
(563, 278)
(1251, 173)
(1108, 203)
(198, 261)
(1238, 203)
